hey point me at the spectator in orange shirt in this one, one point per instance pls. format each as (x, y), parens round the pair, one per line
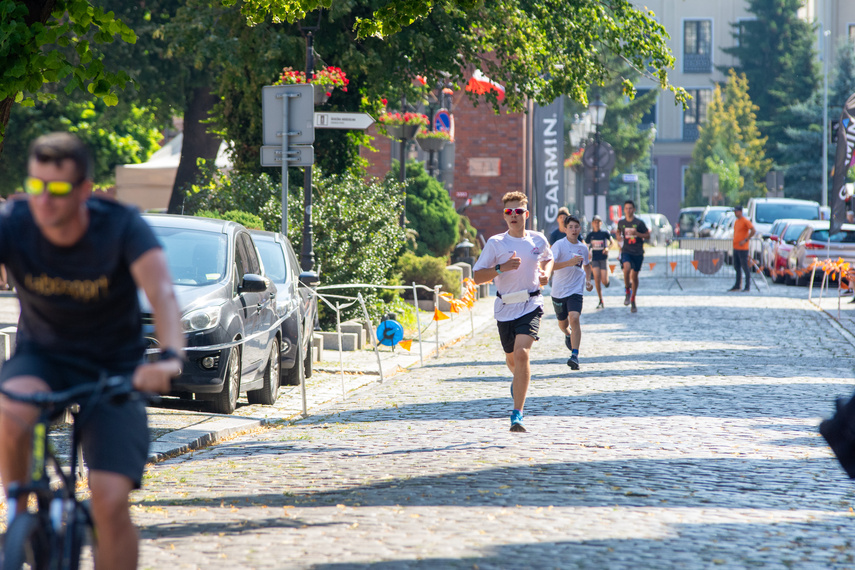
(743, 229)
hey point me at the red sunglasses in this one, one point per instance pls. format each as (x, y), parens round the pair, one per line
(517, 211)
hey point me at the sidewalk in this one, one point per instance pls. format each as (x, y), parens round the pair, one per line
(175, 431)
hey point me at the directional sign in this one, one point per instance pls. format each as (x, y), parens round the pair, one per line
(630, 177)
(297, 155)
(301, 112)
(356, 121)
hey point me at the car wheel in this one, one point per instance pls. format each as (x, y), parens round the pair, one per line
(226, 401)
(269, 392)
(295, 375)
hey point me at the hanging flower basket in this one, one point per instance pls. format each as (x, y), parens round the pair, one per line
(321, 96)
(433, 140)
(325, 80)
(401, 126)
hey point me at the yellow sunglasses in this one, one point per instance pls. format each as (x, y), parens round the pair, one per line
(35, 186)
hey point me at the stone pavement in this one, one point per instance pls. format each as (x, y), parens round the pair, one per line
(687, 440)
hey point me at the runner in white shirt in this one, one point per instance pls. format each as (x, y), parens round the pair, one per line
(519, 262)
(571, 272)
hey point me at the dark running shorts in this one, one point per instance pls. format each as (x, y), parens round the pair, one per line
(114, 437)
(527, 324)
(602, 264)
(634, 261)
(566, 305)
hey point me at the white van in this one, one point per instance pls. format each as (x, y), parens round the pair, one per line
(762, 212)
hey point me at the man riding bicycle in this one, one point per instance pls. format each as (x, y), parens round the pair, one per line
(77, 263)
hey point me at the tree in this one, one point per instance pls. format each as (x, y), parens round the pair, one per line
(776, 53)
(801, 148)
(43, 42)
(430, 212)
(729, 145)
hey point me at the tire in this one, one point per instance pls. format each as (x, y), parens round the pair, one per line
(267, 394)
(26, 542)
(295, 375)
(78, 531)
(226, 401)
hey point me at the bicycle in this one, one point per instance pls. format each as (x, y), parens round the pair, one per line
(54, 534)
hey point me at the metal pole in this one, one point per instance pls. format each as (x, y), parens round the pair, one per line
(436, 308)
(340, 359)
(596, 167)
(418, 324)
(307, 252)
(825, 34)
(373, 334)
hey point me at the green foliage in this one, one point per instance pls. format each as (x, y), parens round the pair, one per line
(776, 52)
(123, 134)
(245, 219)
(522, 37)
(44, 42)
(468, 231)
(729, 145)
(429, 271)
(430, 211)
(356, 233)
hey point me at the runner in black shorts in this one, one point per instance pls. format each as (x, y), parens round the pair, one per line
(77, 263)
(571, 275)
(631, 233)
(599, 241)
(519, 262)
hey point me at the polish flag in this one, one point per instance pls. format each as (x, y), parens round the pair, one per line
(480, 84)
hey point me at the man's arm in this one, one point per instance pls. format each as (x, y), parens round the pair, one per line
(546, 268)
(646, 234)
(151, 274)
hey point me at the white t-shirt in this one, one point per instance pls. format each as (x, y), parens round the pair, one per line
(569, 280)
(531, 249)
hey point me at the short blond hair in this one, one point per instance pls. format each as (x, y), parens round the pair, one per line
(515, 197)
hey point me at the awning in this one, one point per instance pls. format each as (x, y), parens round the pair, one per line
(481, 84)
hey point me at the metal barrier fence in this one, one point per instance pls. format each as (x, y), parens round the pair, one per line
(708, 258)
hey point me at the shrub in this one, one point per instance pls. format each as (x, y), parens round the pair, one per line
(427, 270)
(430, 212)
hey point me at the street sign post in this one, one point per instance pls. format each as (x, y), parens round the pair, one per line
(630, 177)
(356, 121)
(287, 113)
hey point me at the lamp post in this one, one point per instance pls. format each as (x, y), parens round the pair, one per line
(307, 253)
(597, 110)
(653, 194)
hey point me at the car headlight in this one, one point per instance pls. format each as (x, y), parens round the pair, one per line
(201, 319)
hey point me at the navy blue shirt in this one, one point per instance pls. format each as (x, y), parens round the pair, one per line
(79, 300)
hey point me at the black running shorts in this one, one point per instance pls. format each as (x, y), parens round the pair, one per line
(634, 261)
(527, 324)
(567, 305)
(114, 438)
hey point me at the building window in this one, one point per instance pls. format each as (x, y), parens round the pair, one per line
(697, 46)
(649, 118)
(696, 114)
(683, 170)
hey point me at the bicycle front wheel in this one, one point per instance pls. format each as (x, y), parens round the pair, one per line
(77, 534)
(27, 544)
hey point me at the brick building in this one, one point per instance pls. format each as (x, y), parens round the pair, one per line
(487, 157)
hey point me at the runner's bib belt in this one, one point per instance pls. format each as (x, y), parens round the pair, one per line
(517, 296)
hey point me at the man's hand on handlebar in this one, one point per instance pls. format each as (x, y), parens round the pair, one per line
(156, 377)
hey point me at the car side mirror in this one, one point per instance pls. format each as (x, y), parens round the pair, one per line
(310, 279)
(253, 283)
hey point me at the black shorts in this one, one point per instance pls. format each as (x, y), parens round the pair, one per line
(566, 305)
(634, 261)
(114, 438)
(527, 324)
(601, 264)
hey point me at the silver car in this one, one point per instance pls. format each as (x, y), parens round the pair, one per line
(661, 232)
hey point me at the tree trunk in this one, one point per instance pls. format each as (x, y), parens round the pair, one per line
(198, 143)
(5, 114)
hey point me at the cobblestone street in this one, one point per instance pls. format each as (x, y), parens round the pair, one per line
(687, 440)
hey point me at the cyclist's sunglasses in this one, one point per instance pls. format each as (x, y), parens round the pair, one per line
(517, 211)
(35, 186)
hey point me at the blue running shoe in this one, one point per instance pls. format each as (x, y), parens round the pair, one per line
(567, 342)
(516, 421)
(573, 362)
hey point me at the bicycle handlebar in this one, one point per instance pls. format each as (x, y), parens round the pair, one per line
(117, 388)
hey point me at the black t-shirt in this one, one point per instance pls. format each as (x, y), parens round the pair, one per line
(556, 235)
(598, 241)
(79, 300)
(632, 244)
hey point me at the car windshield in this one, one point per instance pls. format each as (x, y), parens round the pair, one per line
(194, 257)
(839, 237)
(768, 213)
(273, 259)
(713, 216)
(793, 232)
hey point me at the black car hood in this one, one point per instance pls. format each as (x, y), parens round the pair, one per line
(192, 296)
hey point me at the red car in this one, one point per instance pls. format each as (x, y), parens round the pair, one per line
(785, 245)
